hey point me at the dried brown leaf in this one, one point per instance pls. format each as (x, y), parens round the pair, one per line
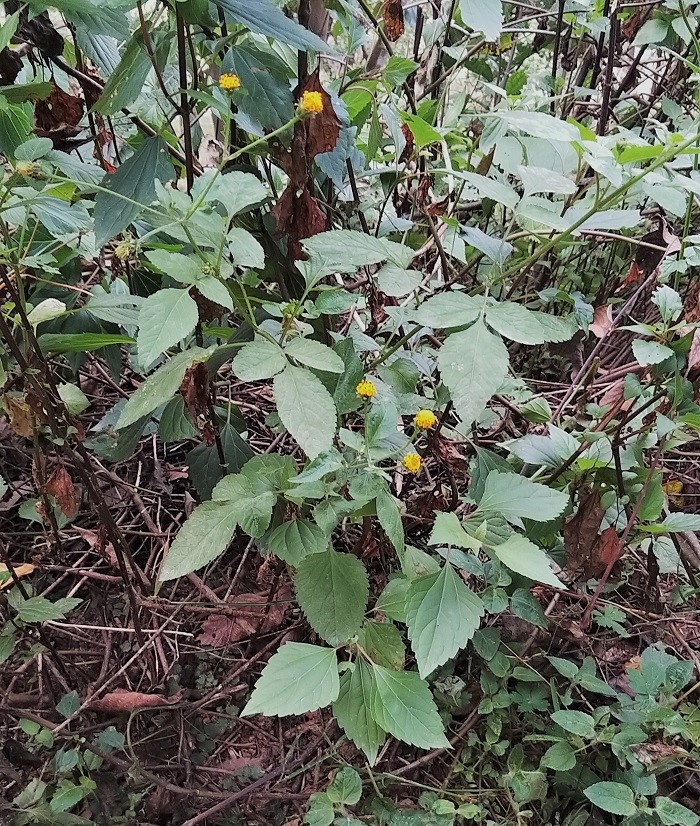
(392, 14)
(602, 321)
(60, 486)
(581, 534)
(21, 416)
(120, 701)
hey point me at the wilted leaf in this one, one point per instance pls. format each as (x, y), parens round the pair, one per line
(392, 14)
(581, 533)
(121, 701)
(60, 486)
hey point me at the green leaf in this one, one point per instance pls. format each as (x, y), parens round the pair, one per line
(68, 704)
(160, 387)
(258, 360)
(675, 522)
(398, 69)
(403, 706)
(650, 352)
(350, 248)
(314, 354)
(332, 590)
(40, 609)
(525, 606)
(442, 616)
(320, 811)
(671, 813)
(299, 678)
(389, 517)
(392, 600)
(346, 788)
(130, 189)
(8, 29)
(612, 797)
(352, 710)
(450, 309)
(483, 16)
(67, 795)
(448, 530)
(80, 342)
(204, 536)
(423, 133)
(268, 97)
(576, 722)
(306, 409)
(262, 17)
(252, 501)
(559, 757)
(15, 126)
(472, 364)
(520, 555)
(382, 643)
(165, 319)
(397, 282)
(525, 326)
(22, 92)
(295, 540)
(517, 497)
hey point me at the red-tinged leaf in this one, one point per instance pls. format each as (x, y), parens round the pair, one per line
(60, 486)
(119, 701)
(602, 321)
(392, 14)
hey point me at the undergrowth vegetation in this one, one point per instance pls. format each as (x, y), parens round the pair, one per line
(350, 412)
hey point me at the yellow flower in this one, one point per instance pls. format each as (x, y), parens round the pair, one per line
(412, 462)
(311, 103)
(28, 170)
(425, 419)
(124, 249)
(229, 82)
(366, 389)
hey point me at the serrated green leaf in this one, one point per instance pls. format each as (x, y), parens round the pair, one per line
(442, 616)
(204, 536)
(449, 309)
(403, 706)
(297, 679)
(516, 497)
(165, 319)
(520, 555)
(258, 360)
(382, 643)
(526, 326)
(40, 609)
(576, 722)
(350, 248)
(671, 813)
(160, 387)
(346, 788)
(295, 540)
(332, 590)
(389, 517)
(612, 797)
(473, 364)
(314, 354)
(559, 757)
(483, 16)
(448, 530)
(306, 409)
(392, 600)
(352, 710)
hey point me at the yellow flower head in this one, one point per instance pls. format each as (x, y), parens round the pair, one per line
(425, 419)
(311, 103)
(229, 82)
(366, 389)
(412, 462)
(124, 249)
(28, 169)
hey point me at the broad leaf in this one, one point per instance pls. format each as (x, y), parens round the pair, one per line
(483, 16)
(263, 17)
(389, 517)
(522, 556)
(403, 706)
(473, 364)
(306, 409)
(314, 354)
(516, 497)
(204, 536)
(612, 797)
(442, 616)
(382, 643)
(131, 188)
(450, 309)
(332, 590)
(525, 326)
(165, 318)
(349, 248)
(295, 540)
(258, 360)
(352, 710)
(160, 387)
(299, 678)
(448, 530)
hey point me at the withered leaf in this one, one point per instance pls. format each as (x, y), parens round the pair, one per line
(581, 534)
(323, 129)
(602, 321)
(606, 552)
(392, 14)
(298, 216)
(120, 701)
(60, 486)
(239, 623)
(58, 117)
(21, 416)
